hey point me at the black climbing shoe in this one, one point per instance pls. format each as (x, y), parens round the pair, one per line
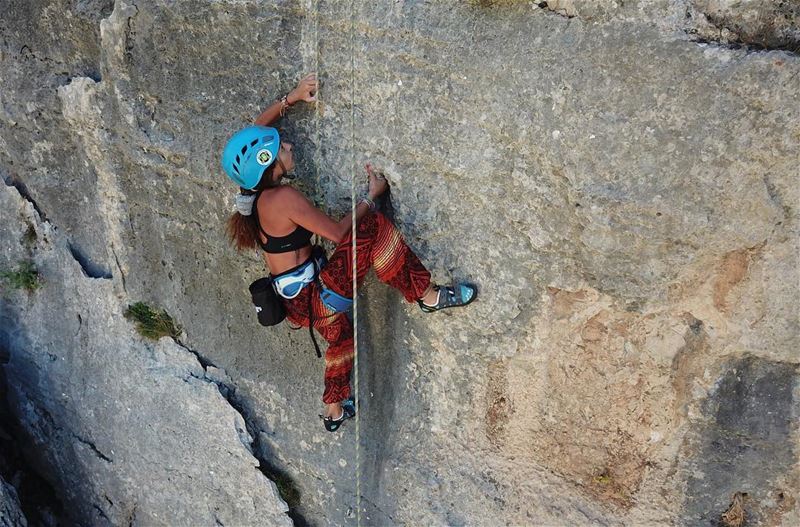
(451, 296)
(348, 411)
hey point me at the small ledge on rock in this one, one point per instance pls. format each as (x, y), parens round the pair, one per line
(90, 268)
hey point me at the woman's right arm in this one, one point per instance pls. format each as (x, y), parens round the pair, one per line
(302, 212)
(306, 91)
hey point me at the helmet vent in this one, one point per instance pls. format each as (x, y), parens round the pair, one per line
(254, 143)
(244, 149)
(237, 159)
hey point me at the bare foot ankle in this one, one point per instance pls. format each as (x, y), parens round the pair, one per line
(431, 297)
(334, 411)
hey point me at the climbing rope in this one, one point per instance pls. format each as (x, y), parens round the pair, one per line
(317, 101)
(318, 162)
(355, 268)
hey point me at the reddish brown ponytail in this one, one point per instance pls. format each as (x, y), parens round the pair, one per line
(243, 231)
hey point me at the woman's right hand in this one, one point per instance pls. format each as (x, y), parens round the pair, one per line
(377, 182)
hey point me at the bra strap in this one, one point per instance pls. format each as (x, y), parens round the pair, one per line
(255, 211)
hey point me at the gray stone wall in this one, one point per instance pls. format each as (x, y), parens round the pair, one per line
(10, 513)
(619, 178)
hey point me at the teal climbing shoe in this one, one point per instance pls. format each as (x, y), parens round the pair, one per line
(348, 412)
(451, 296)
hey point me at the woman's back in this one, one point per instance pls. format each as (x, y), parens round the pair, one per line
(273, 217)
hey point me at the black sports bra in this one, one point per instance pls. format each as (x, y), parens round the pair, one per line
(297, 239)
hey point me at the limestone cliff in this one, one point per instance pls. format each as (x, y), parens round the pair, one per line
(10, 513)
(620, 179)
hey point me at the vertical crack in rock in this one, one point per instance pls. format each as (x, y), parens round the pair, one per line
(94, 448)
(84, 107)
(17, 183)
(80, 325)
(132, 515)
(90, 268)
(101, 512)
(130, 33)
(285, 485)
(121, 272)
(499, 407)
(775, 196)
(204, 362)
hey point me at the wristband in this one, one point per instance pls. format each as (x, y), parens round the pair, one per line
(284, 104)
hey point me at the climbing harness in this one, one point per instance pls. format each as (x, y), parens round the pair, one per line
(290, 283)
(334, 301)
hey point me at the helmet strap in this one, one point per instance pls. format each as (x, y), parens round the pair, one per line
(285, 172)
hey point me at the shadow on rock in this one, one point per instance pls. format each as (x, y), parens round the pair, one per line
(743, 452)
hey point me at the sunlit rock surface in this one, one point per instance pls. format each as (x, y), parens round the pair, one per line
(620, 179)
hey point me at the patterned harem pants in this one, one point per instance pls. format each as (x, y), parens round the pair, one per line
(378, 245)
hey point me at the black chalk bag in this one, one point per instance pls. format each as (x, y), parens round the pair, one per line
(269, 306)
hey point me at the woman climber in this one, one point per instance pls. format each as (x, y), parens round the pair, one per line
(281, 221)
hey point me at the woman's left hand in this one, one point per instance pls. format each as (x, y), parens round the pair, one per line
(306, 90)
(377, 182)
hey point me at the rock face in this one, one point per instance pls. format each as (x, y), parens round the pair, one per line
(10, 513)
(745, 442)
(130, 432)
(620, 178)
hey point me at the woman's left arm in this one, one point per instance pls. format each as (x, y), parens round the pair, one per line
(306, 91)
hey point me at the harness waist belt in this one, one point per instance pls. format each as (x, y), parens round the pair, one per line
(289, 284)
(334, 301)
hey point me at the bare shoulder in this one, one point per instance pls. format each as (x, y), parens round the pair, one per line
(290, 198)
(283, 194)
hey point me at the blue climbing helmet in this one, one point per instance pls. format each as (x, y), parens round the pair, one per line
(249, 153)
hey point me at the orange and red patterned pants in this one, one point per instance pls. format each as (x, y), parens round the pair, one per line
(378, 245)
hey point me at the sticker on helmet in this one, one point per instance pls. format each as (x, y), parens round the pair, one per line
(264, 157)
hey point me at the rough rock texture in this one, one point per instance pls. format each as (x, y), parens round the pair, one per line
(130, 432)
(767, 25)
(619, 179)
(745, 441)
(10, 513)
